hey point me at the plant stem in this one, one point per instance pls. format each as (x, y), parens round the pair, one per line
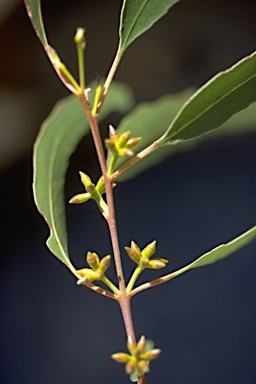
(123, 298)
(134, 278)
(141, 155)
(109, 78)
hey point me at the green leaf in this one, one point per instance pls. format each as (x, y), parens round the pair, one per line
(57, 140)
(149, 121)
(224, 95)
(219, 252)
(35, 14)
(137, 16)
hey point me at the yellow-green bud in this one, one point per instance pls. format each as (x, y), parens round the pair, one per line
(151, 354)
(104, 263)
(79, 37)
(141, 345)
(85, 179)
(121, 357)
(134, 252)
(157, 263)
(112, 132)
(87, 274)
(149, 250)
(133, 141)
(80, 198)
(130, 367)
(123, 138)
(93, 260)
(142, 367)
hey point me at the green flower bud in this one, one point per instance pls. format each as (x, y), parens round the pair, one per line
(112, 132)
(151, 354)
(79, 37)
(157, 263)
(123, 138)
(80, 198)
(121, 357)
(134, 252)
(149, 250)
(125, 152)
(130, 367)
(142, 367)
(93, 260)
(104, 263)
(88, 275)
(110, 145)
(141, 345)
(133, 141)
(85, 179)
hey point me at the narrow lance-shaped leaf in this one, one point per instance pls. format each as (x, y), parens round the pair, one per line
(35, 14)
(218, 253)
(57, 140)
(149, 120)
(137, 16)
(224, 95)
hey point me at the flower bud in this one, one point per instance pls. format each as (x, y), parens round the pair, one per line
(104, 263)
(133, 141)
(85, 179)
(123, 138)
(157, 263)
(87, 274)
(79, 37)
(80, 198)
(151, 354)
(121, 357)
(149, 250)
(134, 252)
(142, 367)
(141, 345)
(112, 132)
(93, 260)
(130, 367)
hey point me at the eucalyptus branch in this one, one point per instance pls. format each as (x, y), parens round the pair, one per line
(158, 281)
(97, 289)
(123, 299)
(141, 155)
(109, 78)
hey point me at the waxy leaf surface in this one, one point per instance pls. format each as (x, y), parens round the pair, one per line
(35, 14)
(57, 140)
(224, 95)
(137, 16)
(149, 121)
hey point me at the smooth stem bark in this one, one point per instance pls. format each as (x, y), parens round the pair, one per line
(124, 298)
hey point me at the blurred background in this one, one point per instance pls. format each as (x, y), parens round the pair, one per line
(53, 331)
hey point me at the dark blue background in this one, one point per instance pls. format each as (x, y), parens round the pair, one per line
(54, 332)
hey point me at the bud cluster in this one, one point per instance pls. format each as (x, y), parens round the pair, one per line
(143, 258)
(139, 358)
(97, 268)
(120, 145)
(92, 192)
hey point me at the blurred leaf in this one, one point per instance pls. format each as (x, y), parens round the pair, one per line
(224, 95)
(219, 252)
(57, 140)
(35, 14)
(149, 121)
(137, 16)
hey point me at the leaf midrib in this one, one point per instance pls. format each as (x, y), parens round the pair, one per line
(122, 46)
(207, 109)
